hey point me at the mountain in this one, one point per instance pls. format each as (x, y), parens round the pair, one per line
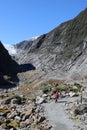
(62, 49)
(8, 68)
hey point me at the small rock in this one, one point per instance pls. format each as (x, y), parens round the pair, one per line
(72, 94)
(17, 118)
(39, 100)
(12, 115)
(41, 119)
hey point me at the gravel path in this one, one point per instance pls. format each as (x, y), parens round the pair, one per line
(58, 116)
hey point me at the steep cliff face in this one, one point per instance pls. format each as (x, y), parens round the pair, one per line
(64, 48)
(8, 67)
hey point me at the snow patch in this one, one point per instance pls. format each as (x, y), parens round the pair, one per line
(11, 49)
(33, 38)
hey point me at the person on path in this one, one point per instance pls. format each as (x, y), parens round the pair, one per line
(56, 96)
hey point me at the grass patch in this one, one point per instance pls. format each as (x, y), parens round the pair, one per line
(45, 89)
(3, 110)
(33, 99)
(59, 88)
(79, 86)
(18, 99)
(13, 124)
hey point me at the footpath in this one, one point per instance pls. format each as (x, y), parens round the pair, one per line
(57, 115)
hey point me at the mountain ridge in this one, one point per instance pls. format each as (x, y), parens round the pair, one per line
(60, 49)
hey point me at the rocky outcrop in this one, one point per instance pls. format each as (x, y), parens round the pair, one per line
(8, 67)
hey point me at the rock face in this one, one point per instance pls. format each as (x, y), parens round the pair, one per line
(8, 67)
(64, 48)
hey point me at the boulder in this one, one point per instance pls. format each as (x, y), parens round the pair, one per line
(71, 94)
(39, 100)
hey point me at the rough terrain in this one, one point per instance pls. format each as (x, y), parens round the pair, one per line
(56, 61)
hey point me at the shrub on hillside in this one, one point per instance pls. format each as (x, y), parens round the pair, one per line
(58, 89)
(18, 99)
(45, 89)
(79, 86)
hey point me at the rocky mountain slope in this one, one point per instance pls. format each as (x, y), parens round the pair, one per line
(64, 48)
(52, 57)
(8, 67)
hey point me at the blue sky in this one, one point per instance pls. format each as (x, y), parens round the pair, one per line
(23, 19)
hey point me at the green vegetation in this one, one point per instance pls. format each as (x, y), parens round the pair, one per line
(74, 90)
(1, 122)
(18, 99)
(79, 86)
(33, 99)
(2, 96)
(3, 110)
(45, 89)
(77, 112)
(58, 89)
(72, 33)
(13, 124)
